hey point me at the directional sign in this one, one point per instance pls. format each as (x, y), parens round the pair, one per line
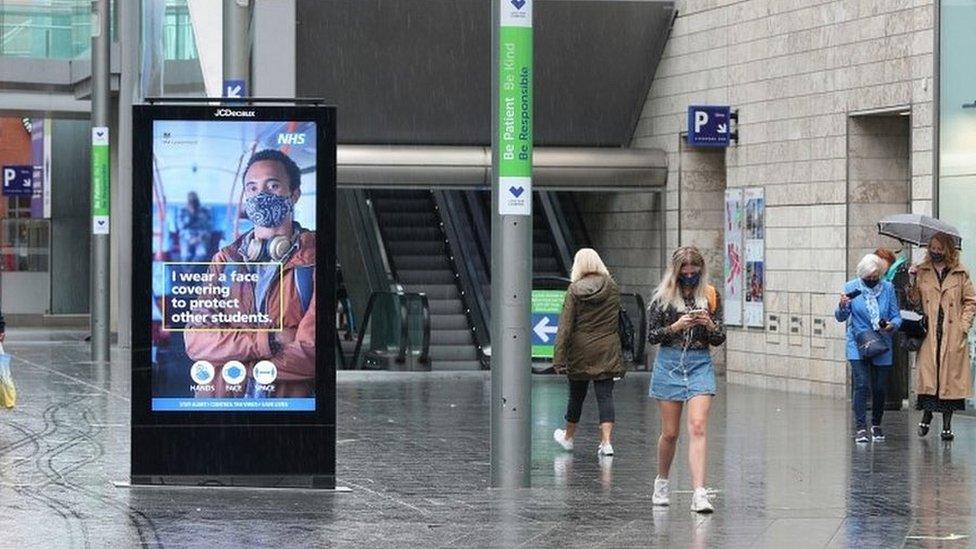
(18, 180)
(235, 88)
(546, 308)
(709, 126)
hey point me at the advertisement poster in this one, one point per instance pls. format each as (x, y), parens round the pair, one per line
(755, 256)
(233, 266)
(734, 214)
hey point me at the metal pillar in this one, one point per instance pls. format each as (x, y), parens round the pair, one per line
(101, 244)
(237, 44)
(128, 34)
(511, 250)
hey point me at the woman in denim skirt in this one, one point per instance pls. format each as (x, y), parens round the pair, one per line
(685, 319)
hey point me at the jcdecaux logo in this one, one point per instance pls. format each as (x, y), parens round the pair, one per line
(233, 114)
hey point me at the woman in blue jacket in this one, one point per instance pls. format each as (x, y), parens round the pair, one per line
(869, 303)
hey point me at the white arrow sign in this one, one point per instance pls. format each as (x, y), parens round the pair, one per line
(543, 329)
(723, 128)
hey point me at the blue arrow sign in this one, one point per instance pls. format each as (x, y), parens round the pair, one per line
(235, 89)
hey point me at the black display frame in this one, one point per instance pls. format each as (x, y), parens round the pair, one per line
(233, 447)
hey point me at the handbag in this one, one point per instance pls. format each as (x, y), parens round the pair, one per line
(913, 324)
(8, 392)
(870, 343)
(625, 329)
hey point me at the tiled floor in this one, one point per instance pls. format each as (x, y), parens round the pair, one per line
(414, 450)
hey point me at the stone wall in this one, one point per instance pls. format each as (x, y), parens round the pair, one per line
(796, 71)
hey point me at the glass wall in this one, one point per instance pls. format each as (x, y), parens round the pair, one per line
(57, 29)
(957, 124)
(61, 29)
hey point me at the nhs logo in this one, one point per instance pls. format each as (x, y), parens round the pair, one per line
(291, 138)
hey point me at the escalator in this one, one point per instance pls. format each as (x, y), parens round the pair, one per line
(421, 261)
(437, 245)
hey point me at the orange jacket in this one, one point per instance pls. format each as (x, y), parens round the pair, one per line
(296, 358)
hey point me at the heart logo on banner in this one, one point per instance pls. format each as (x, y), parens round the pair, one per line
(517, 191)
(518, 4)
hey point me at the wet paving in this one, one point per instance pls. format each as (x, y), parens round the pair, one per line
(413, 449)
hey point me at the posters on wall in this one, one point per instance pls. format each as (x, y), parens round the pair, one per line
(745, 261)
(755, 251)
(734, 212)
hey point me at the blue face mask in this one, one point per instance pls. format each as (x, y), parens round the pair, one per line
(870, 283)
(690, 281)
(267, 209)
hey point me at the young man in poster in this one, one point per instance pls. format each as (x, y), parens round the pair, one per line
(269, 273)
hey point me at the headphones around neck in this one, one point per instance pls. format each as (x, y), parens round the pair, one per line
(274, 249)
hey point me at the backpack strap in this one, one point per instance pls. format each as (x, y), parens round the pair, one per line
(304, 283)
(712, 294)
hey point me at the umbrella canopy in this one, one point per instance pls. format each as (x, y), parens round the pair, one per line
(917, 229)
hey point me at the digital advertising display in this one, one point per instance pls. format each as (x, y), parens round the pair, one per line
(233, 265)
(234, 216)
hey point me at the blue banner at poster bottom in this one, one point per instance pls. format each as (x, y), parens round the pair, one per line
(233, 405)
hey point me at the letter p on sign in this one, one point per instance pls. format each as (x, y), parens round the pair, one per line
(701, 118)
(9, 174)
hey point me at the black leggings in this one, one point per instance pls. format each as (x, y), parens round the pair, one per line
(946, 419)
(604, 399)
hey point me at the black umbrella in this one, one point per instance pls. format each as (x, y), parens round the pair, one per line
(917, 229)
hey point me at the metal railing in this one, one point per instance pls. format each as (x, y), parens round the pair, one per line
(460, 241)
(394, 334)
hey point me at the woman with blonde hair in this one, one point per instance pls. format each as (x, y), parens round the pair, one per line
(685, 319)
(588, 345)
(945, 291)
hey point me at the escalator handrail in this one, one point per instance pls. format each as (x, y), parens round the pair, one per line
(425, 341)
(374, 230)
(461, 257)
(558, 230)
(404, 325)
(482, 231)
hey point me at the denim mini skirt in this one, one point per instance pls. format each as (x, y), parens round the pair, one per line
(681, 380)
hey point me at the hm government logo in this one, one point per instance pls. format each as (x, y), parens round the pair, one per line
(225, 113)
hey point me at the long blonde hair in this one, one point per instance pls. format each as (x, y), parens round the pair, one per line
(587, 261)
(668, 292)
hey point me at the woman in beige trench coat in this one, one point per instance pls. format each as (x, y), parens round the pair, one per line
(947, 297)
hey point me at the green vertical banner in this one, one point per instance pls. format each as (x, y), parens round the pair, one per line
(100, 180)
(515, 82)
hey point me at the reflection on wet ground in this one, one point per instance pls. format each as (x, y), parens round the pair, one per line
(414, 450)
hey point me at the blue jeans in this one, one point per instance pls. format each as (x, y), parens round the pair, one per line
(873, 379)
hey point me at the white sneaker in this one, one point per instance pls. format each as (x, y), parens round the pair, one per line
(700, 503)
(662, 492)
(560, 437)
(605, 449)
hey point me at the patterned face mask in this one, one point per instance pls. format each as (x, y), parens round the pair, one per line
(268, 210)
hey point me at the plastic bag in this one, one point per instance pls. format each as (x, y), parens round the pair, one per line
(8, 392)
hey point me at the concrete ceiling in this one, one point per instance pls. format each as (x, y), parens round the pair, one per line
(412, 72)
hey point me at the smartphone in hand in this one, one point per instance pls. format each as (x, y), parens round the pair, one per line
(853, 294)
